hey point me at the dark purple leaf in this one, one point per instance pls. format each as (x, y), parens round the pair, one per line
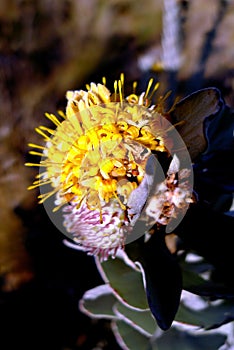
(163, 280)
(191, 111)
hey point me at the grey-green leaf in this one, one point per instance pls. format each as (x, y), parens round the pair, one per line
(136, 319)
(183, 340)
(126, 282)
(129, 338)
(98, 303)
(211, 317)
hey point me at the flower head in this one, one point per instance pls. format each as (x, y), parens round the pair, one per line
(96, 157)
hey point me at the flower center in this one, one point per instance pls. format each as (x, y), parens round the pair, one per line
(99, 160)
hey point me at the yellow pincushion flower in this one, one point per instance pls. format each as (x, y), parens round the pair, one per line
(91, 149)
(98, 152)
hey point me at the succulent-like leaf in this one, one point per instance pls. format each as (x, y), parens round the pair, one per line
(98, 302)
(126, 281)
(129, 338)
(211, 317)
(163, 280)
(142, 321)
(101, 303)
(182, 340)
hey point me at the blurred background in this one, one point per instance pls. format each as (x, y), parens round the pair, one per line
(46, 48)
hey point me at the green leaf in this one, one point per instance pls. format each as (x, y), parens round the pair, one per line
(208, 318)
(182, 340)
(136, 319)
(126, 282)
(128, 338)
(98, 302)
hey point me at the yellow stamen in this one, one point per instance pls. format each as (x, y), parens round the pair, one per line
(134, 86)
(120, 91)
(62, 114)
(36, 153)
(50, 131)
(39, 184)
(34, 164)
(40, 132)
(122, 83)
(115, 90)
(53, 118)
(36, 146)
(156, 86)
(41, 175)
(122, 78)
(45, 196)
(148, 87)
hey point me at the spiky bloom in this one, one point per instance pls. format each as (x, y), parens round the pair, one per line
(96, 157)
